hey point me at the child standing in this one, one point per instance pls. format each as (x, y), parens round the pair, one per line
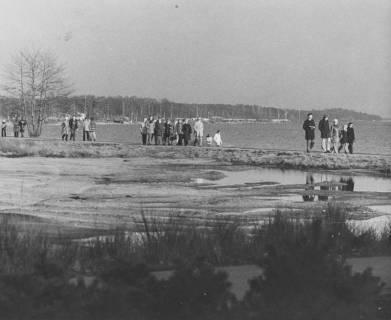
(217, 139)
(209, 140)
(343, 135)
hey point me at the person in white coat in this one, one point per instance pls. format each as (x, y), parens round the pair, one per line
(217, 139)
(198, 131)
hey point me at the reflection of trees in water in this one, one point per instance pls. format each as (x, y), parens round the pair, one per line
(345, 184)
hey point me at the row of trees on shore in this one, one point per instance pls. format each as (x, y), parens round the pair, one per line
(36, 88)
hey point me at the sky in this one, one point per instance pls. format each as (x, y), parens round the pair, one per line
(279, 53)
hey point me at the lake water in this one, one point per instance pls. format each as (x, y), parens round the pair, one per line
(319, 180)
(371, 136)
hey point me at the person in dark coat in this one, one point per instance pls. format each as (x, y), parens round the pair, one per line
(159, 131)
(73, 127)
(309, 128)
(168, 131)
(343, 139)
(324, 129)
(179, 132)
(16, 127)
(350, 137)
(186, 132)
(22, 127)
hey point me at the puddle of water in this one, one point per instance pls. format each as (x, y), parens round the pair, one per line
(383, 209)
(136, 237)
(322, 181)
(202, 181)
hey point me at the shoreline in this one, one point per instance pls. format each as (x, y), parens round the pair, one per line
(282, 159)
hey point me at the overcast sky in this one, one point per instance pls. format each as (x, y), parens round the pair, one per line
(298, 53)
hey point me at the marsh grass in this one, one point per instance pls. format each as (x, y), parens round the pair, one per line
(269, 158)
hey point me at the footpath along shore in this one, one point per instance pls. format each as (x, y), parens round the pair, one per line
(283, 159)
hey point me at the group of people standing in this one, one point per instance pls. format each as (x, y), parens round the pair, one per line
(69, 127)
(179, 132)
(334, 137)
(19, 127)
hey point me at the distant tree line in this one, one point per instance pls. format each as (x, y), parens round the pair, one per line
(135, 108)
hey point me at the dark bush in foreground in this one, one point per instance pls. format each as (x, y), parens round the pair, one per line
(305, 275)
(306, 278)
(194, 291)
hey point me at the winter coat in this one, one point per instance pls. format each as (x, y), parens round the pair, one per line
(343, 135)
(16, 127)
(159, 128)
(334, 134)
(350, 135)
(199, 128)
(92, 126)
(64, 128)
(22, 125)
(144, 128)
(186, 128)
(324, 128)
(168, 129)
(151, 127)
(178, 128)
(217, 139)
(86, 125)
(309, 128)
(73, 125)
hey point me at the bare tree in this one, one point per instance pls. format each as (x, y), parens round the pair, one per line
(36, 79)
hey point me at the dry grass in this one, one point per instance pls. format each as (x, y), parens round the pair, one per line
(277, 159)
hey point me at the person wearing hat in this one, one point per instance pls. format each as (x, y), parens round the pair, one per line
(3, 129)
(309, 128)
(324, 129)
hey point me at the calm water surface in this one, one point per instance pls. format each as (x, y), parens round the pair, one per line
(371, 137)
(288, 177)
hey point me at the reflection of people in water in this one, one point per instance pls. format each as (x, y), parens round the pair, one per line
(309, 181)
(324, 187)
(348, 184)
